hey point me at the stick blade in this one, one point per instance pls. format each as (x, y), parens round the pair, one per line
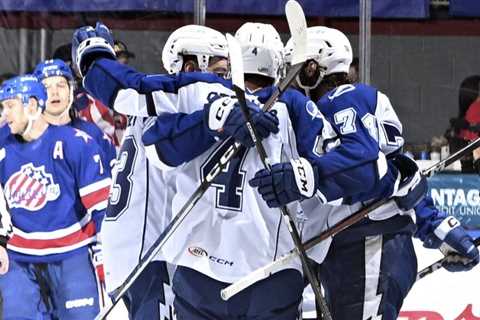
(298, 29)
(236, 62)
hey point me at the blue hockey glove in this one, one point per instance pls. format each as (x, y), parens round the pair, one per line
(458, 247)
(287, 182)
(412, 186)
(90, 43)
(225, 119)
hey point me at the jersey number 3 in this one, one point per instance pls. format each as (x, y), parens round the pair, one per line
(122, 183)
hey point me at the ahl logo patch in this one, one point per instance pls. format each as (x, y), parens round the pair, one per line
(31, 188)
(198, 252)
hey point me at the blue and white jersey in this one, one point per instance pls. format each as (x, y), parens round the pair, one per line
(56, 188)
(231, 231)
(368, 130)
(107, 148)
(139, 206)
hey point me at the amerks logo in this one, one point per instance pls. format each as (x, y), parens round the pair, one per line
(31, 188)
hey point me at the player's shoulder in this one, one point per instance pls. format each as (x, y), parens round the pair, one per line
(70, 135)
(89, 127)
(201, 78)
(359, 96)
(293, 97)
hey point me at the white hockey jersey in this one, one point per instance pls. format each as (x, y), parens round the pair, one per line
(229, 232)
(139, 206)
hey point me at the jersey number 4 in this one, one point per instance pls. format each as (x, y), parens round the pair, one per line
(230, 181)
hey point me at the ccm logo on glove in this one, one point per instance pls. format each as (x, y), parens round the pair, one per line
(304, 177)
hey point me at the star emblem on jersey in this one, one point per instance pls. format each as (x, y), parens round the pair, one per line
(31, 188)
(83, 135)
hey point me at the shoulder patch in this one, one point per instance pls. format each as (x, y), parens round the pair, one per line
(83, 135)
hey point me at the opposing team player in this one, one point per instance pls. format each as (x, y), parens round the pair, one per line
(56, 188)
(377, 254)
(141, 194)
(58, 79)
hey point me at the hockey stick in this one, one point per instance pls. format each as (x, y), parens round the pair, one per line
(294, 22)
(439, 264)
(236, 66)
(265, 271)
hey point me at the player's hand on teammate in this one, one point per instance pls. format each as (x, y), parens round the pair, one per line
(90, 43)
(455, 243)
(4, 261)
(225, 119)
(413, 186)
(286, 182)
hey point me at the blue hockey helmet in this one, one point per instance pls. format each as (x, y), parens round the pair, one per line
(24, 87)
(51, 68)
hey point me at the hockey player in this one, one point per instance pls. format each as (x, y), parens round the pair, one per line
(132, 92)
(56, 188)
(377, 254)
(58, 79)
(141, 195)
(187, 93)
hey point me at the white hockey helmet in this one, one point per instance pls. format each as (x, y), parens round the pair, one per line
(330, 48)
(262, 49)
(200, 41)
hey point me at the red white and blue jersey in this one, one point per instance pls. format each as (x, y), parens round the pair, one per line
(56, 188)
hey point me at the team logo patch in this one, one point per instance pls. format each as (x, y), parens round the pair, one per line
(31, 188)
(312, 110)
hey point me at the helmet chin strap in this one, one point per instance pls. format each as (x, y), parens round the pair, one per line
(31, 119)
(308, 88)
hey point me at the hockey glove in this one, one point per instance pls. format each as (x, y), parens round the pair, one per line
(454, 242)
(225, 119)
(412, 186)
(90, 43)
(287, 182)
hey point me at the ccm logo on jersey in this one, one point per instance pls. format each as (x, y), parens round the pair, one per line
(200, 252)
(31, 188)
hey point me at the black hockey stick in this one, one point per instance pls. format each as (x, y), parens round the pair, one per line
(265, 271)
(439, 263)
(236, 66)
(294, 21)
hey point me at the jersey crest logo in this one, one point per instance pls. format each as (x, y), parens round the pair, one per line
(31, 188)
(312, 110)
